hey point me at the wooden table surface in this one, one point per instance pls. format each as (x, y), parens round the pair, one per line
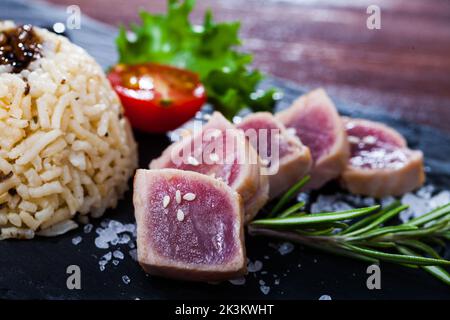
(404, 67)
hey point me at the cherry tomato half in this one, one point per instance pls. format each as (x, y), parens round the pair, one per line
(157, 98)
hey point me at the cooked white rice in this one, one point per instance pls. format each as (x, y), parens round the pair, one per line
(65, 148)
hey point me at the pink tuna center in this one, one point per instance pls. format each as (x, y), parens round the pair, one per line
(211, 156)
(316, 130)
(203, 234)
(374, 148)
(272, 136)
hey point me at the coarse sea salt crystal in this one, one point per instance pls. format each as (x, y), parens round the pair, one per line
(104, 237)
(116, 226)
(124, 239)
(442, 198)
(303, 197)
(107, 256)
(133, 254)
(357, 200)
(88, 228)
(118, 254)
(103, 262)
(417, 207)
(285, 248)
(386, 201)
(325, 297)
(77, 240)
(329, 203)
(238, 281)
(423, 202)
(426, 191)
(254, 266)
(111, 233)
(126, 279)
(265, 289)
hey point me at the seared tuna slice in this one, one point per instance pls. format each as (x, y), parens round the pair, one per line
(286, 158)
(189, 226)
(258, 200)
(219, 150)
(317, 123)
(380, 163)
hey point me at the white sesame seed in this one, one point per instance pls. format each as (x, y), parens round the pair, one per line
(180, 215)
(189, 196)
(369, 139)
(178, 196)
(192, 161)
(166, 201)
(353, 139)
(216, 133)
(214, 157)
(291, 131)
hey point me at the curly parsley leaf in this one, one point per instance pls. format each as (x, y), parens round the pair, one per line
(209, 50)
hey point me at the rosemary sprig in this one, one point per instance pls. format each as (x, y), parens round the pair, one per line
(362, 234)
(290, 194)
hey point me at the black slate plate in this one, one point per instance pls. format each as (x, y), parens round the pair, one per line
(37, 268)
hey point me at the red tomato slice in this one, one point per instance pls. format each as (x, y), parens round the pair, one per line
(157, 98)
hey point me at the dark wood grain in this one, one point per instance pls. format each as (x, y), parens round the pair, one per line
(403, 68)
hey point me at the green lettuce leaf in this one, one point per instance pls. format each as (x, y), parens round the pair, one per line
(210, 50)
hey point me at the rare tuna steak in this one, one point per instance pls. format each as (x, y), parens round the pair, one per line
(189, 226)
(380, 163)
(219, 150)
(287, 160)
(317, 123)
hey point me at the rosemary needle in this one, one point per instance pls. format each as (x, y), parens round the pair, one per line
(435, 271)
(290, 194)
(366, 239)
(315, 218)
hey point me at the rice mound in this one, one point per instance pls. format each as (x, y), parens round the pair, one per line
(65, 147)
